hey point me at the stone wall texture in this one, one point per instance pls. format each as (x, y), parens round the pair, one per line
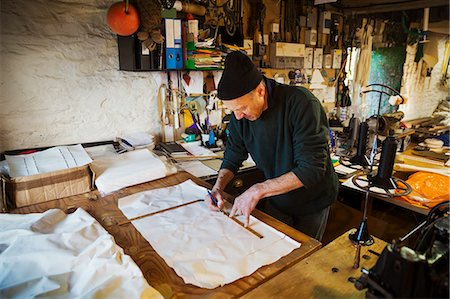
(423, 93)
(60, 78)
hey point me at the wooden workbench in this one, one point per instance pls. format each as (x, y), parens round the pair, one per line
(158, 274)
(313, 277)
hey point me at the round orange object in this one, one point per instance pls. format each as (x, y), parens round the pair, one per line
(122, 22)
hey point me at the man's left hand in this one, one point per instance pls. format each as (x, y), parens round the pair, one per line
(245, 203)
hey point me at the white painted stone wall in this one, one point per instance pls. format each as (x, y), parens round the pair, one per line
(60, 81)
(423, 93)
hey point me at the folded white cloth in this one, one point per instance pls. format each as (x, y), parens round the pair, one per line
(131, 168)
(55, 255)
(52, 159)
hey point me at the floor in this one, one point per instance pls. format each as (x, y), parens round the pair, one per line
(385, 221)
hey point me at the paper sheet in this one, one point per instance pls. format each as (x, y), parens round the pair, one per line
(204, 247)
(101, 151)
(197, 150)
(130, 168)
(349, 183)
(54, 255)
(213, 164)
(197, 168)
(52, 159)
(216, 163)
(138, 138)
(195, 84)
(341, 169)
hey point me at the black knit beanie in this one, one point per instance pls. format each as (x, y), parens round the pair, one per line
(240, 76)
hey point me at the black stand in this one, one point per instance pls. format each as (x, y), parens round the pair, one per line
(361, 236)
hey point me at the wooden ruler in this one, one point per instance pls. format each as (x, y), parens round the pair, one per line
(247, 228)
(160, 211)
(189, 203)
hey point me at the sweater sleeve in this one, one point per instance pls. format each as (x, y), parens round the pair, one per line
(235, 151)
(310, 140)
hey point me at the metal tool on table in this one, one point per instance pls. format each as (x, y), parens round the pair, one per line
(214, 200)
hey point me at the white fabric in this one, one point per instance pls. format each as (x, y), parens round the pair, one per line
(204, 247)
(131, 168)
(55, 255)
(52, 159)
(101, 151)
(197, 168)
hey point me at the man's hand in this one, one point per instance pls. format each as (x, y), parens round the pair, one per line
(217, 193)
(245, 203)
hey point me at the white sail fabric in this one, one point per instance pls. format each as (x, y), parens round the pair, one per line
(54, 255)
(205, 248)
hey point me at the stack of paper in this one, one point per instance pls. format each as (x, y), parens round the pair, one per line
(131, 168)
(52, 159)
(136, 140)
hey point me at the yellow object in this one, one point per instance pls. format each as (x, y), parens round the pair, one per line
(188, 121)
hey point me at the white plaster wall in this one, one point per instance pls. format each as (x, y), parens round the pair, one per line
(423, 93)
(60, 81)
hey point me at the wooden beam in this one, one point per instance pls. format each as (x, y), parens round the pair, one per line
(389, 7)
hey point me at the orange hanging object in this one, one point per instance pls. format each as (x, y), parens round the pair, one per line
(123, 19)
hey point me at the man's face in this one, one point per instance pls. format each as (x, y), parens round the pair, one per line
(249, 106)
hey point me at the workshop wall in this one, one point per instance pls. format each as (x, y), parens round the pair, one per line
(59, 77)
(424, 91)
(386, 67)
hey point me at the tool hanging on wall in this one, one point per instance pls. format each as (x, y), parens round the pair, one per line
(150, 33)
(170, 105)
(190, 8)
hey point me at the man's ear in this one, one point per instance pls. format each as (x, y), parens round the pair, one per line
(261, 89)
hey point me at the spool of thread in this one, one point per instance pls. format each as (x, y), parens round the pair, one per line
(362, 139)
(387, 158)
(190, 8)
(360, 157)
(354, 126)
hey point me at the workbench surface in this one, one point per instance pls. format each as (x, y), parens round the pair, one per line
(158, 274)
(313, 277)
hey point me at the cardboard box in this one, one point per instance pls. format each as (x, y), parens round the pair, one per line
(28, 190)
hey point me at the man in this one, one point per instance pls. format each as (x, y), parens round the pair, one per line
(285, 130)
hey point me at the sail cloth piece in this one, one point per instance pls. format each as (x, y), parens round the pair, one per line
(204, 247)
(52, 159)
(131, 168)
(54, 255)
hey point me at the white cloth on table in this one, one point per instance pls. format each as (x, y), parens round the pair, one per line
(128, 169)
(52, 159)
(204, 247)
(55, 255)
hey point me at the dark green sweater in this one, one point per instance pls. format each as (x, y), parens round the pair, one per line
(291, 135)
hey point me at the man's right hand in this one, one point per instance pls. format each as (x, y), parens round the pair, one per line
(217, 193)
